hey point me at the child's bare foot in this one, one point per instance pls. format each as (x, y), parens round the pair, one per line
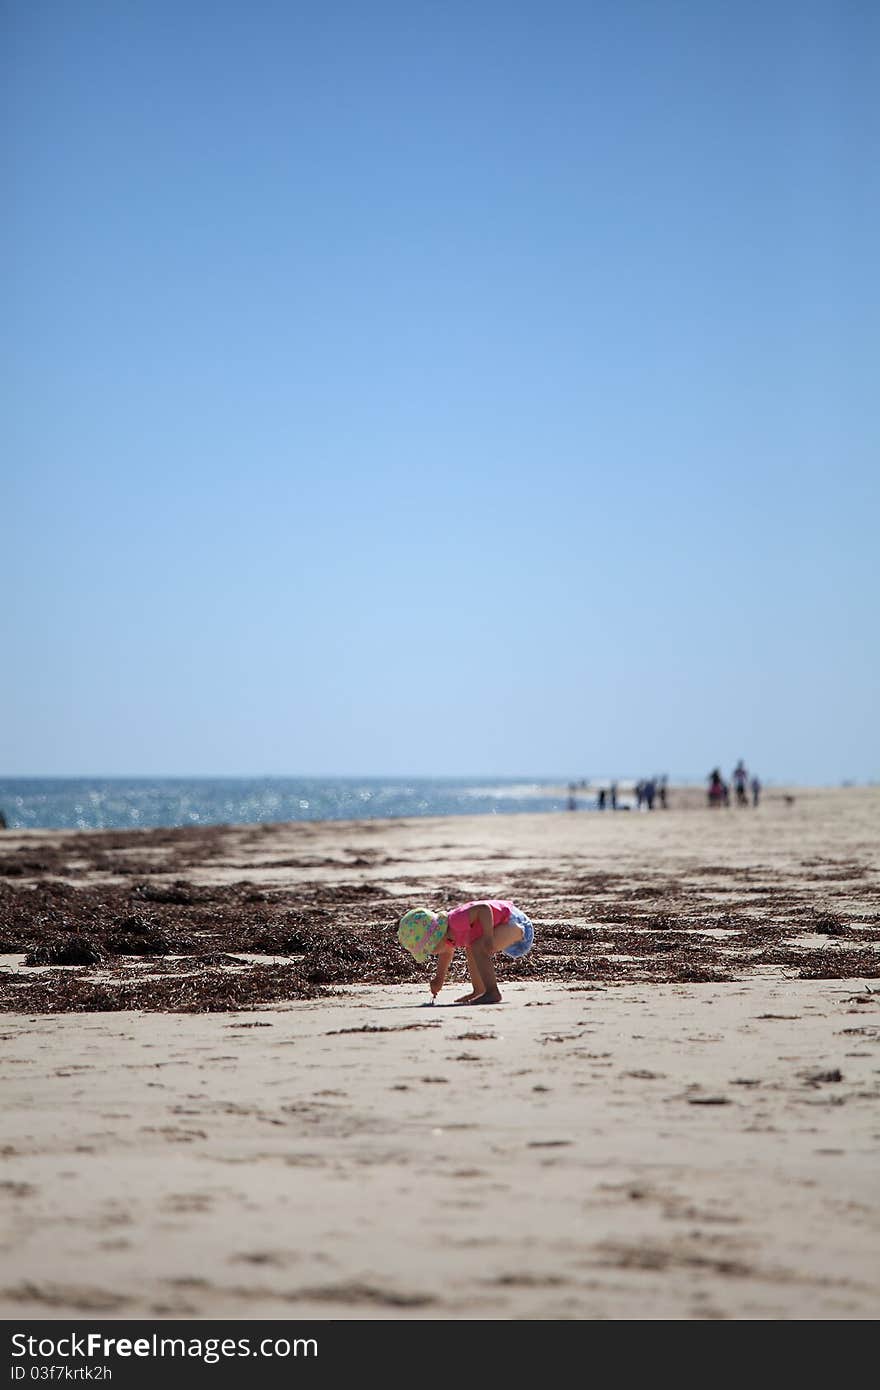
(466, 998)
(485, 999)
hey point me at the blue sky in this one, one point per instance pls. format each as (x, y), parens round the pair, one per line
(440, 387)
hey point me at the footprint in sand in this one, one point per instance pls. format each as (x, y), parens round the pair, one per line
(355, 1294)
(179, 1203)
(275, 1259)
(81, 1298)
(18, 1189)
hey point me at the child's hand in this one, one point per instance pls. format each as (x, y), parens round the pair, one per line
(443, 955)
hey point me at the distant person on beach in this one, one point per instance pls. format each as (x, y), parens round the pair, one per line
(756, 790)
(614, 796)
(717, 793)
(601, 801)
(662, 786)
(3, 825)
(740, 778)
(650, 791)
(482, 928)
(640, 794)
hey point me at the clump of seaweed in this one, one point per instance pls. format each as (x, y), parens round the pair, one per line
(660, 921)
(75, 950)
(179, 893)
(208, 991)
(152, 942)
(829, 923)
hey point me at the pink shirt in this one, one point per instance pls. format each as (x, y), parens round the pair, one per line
(458, 920)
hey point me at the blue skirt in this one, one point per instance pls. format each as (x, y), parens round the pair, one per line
(526, 942)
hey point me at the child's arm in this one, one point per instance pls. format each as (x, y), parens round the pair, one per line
(444, 953)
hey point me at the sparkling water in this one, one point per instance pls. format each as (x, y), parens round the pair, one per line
(114, 803)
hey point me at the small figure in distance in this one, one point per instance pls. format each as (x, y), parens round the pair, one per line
(662, 785)
(482, 928)
(650, 788)
(716, 792)
(640, 794)
(614, 796)
(740, 778)
(601, 801)
(572, 800)
(3, 823)
(756, 790)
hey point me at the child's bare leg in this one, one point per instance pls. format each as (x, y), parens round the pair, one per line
(505, 935)
(482, 949)
(502, 937)
(477, 985)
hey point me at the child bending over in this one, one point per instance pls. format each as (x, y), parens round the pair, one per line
(482, 928)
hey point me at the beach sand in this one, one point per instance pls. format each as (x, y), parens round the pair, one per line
(673, 1114)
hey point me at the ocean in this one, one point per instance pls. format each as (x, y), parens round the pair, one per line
(129, 802)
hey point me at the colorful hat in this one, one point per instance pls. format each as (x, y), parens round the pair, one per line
(420, 932)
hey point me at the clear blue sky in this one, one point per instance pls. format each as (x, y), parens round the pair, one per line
(452, 387)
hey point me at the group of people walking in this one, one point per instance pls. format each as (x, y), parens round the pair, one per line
(719, 791)
(651, 789)
(647, 792)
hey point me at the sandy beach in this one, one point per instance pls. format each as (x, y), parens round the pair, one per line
(239, 1105)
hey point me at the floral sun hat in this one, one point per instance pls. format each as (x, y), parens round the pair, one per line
(420, 932)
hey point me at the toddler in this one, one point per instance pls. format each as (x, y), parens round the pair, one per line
(482, 928)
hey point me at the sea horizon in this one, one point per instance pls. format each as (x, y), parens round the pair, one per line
(143, 801)
(105, 803)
